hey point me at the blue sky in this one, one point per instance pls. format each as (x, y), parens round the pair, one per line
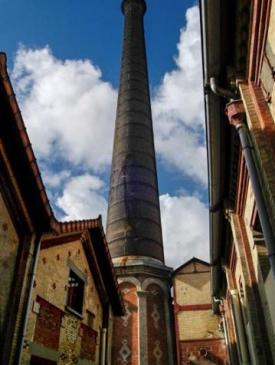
(64, 61)
(92, 30)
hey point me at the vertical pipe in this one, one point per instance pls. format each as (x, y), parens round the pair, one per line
(104, 335)
(257, 189)
(240, 327)
(103, 346)
(35, 257)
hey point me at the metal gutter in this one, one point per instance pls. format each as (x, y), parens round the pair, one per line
(211, 68)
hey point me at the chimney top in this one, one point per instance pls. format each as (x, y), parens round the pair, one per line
(127, 4)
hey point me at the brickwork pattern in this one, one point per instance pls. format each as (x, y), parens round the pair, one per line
(70, 340)
(199, 339)
(198, 324)
(47, 329)
(261, 266)
(51, 284)
(198, 352)
(9, 246)
(270, 53)
(251, 304)
(261, 126)
(88, 343)
(125, 329)
(192, 289)
(156, 326)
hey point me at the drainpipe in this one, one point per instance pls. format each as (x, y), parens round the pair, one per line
(35, 257)
(240, 328)
(220, 91)
(224, 324)
(104, 335)
(103, 346)
(236, 115)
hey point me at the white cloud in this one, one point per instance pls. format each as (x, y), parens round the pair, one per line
(178, 106)
(82, 198)
(53, 179)
(69, 110)
(185, 229)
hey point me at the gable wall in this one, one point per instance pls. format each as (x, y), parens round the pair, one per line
(51, 284)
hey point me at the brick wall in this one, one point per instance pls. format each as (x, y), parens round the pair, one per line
(199, 352)
(248, 287)
(199, 337)
(88, 343)
(48, 324)
(192, 289)
(262, 130)
(125, 329)
(269, 59)
(51, 284)
(198, 324)
(156, 326)
(9, 246)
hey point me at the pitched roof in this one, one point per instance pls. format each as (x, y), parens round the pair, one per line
(96, 249)
(194, 259)
(23, 161)
(26, 173)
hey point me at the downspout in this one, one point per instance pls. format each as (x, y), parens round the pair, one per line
(220, 91)
(216, 205)
(261, 206)
(103, 346)
(236, 114)
(221, 307)
(240, 327)
(104, 333)
(35, 257)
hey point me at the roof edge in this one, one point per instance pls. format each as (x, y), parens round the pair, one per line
(193, 259)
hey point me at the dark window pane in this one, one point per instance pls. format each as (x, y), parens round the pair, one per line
(76, 292)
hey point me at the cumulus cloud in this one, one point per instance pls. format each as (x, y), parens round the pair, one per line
(82, 198)
(53, 179)
(68, 108)
(70, 112)
(178, 106)
(185, 229)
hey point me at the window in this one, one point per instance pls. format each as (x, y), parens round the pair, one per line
(256, 227)
(75, 293)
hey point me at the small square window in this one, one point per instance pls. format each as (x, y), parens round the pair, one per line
(75, 292)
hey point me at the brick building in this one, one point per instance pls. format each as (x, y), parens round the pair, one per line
(71, 252)
(199, 332)
(239, 60)
(73, 300)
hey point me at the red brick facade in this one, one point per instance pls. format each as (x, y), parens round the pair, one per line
(125, 335)
(47, 329)
(156, 330)
(88, 343)
(200, 350)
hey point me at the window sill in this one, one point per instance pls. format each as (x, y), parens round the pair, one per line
(74, 312)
